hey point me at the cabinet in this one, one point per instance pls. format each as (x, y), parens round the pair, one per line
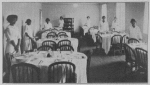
(69, 25)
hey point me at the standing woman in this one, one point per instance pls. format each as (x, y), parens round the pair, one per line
(115, 24)
(47, 24)
(28, 36)
(61, 22)
(13, 36)
(104, 25)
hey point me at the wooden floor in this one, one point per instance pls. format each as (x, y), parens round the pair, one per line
(108, 68)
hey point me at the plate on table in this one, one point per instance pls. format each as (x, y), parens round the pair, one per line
(21, 58)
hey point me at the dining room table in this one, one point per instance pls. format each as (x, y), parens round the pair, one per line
(40, 59)
(106, 39)
(74, 42)
(142, 45)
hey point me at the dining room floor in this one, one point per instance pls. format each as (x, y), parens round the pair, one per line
(108, 68)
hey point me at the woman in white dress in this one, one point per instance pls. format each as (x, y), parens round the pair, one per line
(28, 36)
(134, 30)
(87, 25)
(47, 24)
(13, 36)
(61, 22)
(115, 24)
(104, 25)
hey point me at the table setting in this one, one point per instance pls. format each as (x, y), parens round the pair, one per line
(43, 59)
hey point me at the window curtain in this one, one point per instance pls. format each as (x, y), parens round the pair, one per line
(145, 22)
(120, 14)
(104, 10)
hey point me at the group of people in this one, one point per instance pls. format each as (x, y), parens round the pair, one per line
(48, 24)
(134, 30)
(13, 35)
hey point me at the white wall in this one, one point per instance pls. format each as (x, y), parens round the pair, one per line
(24, 11)
(136, 10)
(55, 10)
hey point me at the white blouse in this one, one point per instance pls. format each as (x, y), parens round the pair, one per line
(12, 33)
(135, 32)
(28, 30)
(104, 26)
(88, 23)
(61, 23)
(47, 26)
(115, 25)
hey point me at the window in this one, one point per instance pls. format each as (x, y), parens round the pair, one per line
(145, 22)
(120, 14)
(104, 10)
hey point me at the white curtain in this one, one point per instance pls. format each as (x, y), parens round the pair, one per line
(120, 14)
(104, 10)
(145, 22)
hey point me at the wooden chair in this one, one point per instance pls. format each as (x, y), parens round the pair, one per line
(133, 40)
(62, 33)
(8, 58)
(142, 60)
(52, 33)
(124, 41)
(98, 40)
(64, 42)
(51, 36)
(61, 72)
(50, 43)
(54, 30)
(45, 48)
(25, 73)
(130, 58)
(116, 42)
(66, 48)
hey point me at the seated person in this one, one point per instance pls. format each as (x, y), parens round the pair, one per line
(134, 30)
(87, 25)
(61, 22)
(104, 25)
(47, 24)
(115, 25)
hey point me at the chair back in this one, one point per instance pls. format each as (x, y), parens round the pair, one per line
(98, 39)
(66, 48)
(52, 33)
(64, 42)
(61, 72)
(54, 30)
(62, 33)
(133, 40)
(44, 48)
(116, 39)
(49, 43)
(129, 53)
(142, 58)
(124, 39)
(51, 36)
(25, 73)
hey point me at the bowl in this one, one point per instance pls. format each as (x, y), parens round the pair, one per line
(21, 59)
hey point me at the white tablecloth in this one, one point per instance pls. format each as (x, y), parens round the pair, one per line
(139, 45)
(79, 59)
(93, 31)
(106, 40)
(74, 42)
(45, 34)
